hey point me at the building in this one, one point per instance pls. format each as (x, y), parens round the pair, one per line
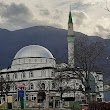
(34, 66)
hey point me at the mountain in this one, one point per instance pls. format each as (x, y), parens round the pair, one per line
(12, 41)
(52, 38)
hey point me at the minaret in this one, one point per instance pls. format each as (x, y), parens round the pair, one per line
(70, 39)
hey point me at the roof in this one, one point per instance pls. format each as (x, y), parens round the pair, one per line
(70, 18)
(33, 51)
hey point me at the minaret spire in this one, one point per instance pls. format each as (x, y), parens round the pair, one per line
(70, 39)
(70, 16)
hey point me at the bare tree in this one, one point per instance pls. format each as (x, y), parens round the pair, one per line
(5, 85)
(61, 82)
(87, 54)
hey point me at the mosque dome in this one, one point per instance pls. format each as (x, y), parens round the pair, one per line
(33, 51)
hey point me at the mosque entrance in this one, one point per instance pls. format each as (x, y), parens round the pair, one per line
(41, 96)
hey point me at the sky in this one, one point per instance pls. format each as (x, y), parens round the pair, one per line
(89, 16)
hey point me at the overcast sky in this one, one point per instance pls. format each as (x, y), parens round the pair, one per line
(89, 16)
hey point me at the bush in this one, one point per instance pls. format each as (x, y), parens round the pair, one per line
(99, 106)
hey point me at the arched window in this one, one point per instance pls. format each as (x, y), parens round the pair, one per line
(31, 86)
(27, 97)
(43, 86)
(33, 98)
(52, 74)
(14, 87)
(8, 76)
(31, 74)
(15, 75)
(35, 60)
(53, 85)
(23, 75)
(77, 84)
(29, 60)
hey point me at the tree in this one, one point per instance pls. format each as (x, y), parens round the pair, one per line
(87, 53)
(5, 85)
(61, 83)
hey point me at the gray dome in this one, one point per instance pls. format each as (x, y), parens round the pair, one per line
(33, 51)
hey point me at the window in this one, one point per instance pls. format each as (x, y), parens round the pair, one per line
(101, 86)
(14, 88)
(15, 76)
(35, 60)
(31, 86)
(23, 75)
(97, 77)
(31, 74)
(32, 97)
(8, 87)
(53, 85)
(29, 60)
(8, 76)
(43, 86)
(52, 74)
(77, 84)
(26, 97)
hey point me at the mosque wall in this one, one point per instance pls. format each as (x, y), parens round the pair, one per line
(24, 63)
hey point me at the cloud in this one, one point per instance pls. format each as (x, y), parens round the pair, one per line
(89, 16)
(15, 15)
(102, 31)
(79, 17)
(83, 23)
(14, 11)
(102, 27)
(80, 6)
(92, 2)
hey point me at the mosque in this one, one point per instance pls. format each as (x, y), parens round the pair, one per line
(34, 67)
